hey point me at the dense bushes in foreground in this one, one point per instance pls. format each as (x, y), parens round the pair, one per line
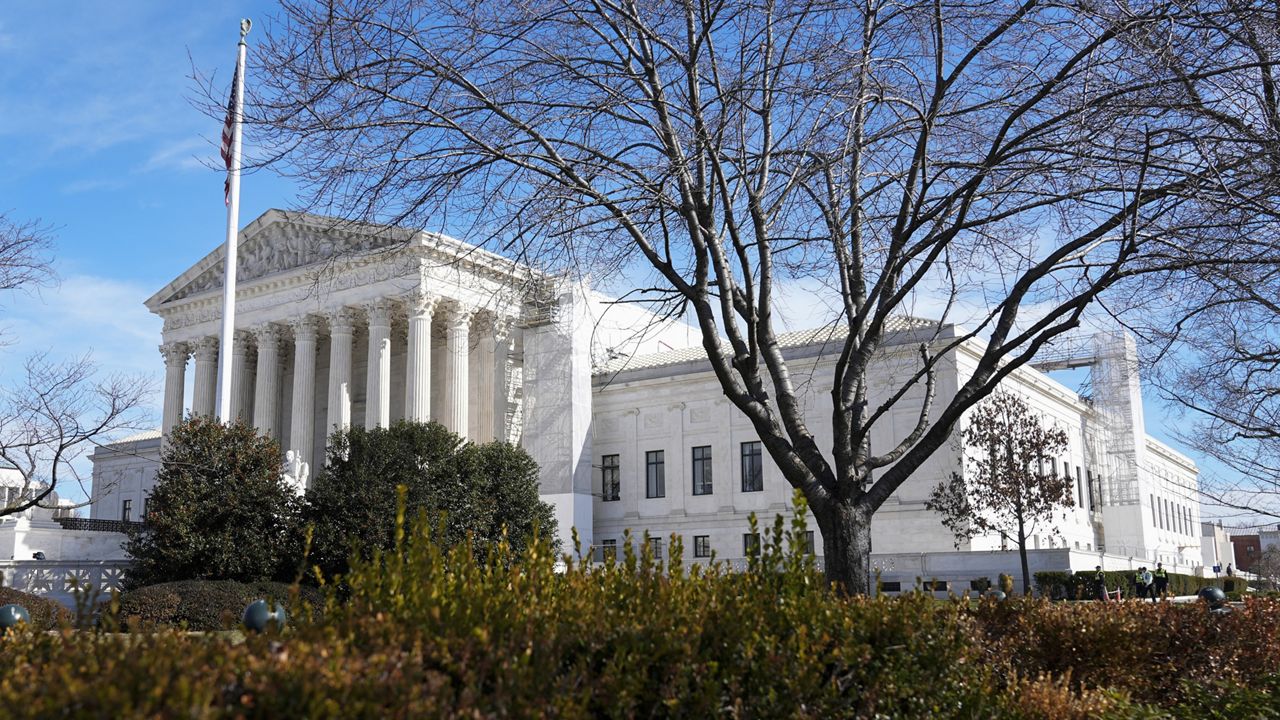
(426, 632)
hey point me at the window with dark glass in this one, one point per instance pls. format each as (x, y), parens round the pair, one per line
(655, 474)
(656, 545)
(126, 510)
(750, 544)
(702, 546)
(1079, 487)
(702, 470)
(752, 467)
(611, 477)
(808, 542)
(608, 550)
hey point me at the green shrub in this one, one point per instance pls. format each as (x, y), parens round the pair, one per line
(1080, 585)
(219, 510)
(483, 491)
(207, 604)
(45, 614)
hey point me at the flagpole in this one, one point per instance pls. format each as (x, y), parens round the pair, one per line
(233, 230)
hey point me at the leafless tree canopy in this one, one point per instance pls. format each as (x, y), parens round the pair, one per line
(56, 411)
(1010, 161)
(1217, 344)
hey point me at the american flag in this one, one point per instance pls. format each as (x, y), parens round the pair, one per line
(228, 131)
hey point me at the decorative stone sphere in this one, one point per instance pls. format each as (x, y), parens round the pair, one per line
(997, 595)
(1213, 595)
(257, 615)
(11, 615)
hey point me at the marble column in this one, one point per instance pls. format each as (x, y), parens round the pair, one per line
(175, 380)
(241, 387)
(341, 330)
(457, 368)
(483, 375)
(266, 388)
(302, 423)
(203, 394)
(378, 381)
(417, 386)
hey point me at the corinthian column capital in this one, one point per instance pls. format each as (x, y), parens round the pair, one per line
(207, 349)
(175, 354)
(420, 304)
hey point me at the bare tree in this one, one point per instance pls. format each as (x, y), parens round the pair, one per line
(1216, 352)
(52, 415)
(1011, 159)
(1004, 487)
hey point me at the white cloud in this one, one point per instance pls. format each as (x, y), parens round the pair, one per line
(84, 313)
(186, 154)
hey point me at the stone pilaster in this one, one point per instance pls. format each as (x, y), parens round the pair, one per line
(502, 344)
(203, 394)
(341, 330)
(378, 383)
(241, 386)
(302, 423)
(266, 388)
(457, 370)
(175, 380)
(417, 387)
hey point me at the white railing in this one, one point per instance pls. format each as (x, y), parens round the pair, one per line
(59, 579)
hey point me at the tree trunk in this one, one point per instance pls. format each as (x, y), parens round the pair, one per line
(1022, 555)
(846, 546)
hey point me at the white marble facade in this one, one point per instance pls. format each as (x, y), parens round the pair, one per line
(339, 324)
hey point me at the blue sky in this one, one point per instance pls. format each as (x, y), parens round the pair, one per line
(102, 143)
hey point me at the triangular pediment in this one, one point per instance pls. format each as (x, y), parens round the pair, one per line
(279, 242)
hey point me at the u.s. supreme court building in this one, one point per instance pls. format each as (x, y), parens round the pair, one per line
(340, 324)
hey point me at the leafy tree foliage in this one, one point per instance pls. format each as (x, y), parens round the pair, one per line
(219, 510)
(480, 489)
(1005, 487)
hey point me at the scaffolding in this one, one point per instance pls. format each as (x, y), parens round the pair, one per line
(1116, 442)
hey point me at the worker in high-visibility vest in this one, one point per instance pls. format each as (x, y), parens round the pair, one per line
(1162, 580)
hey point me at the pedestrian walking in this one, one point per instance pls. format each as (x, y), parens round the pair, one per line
(1099, 584)
(1162, 581)
(1148, 582)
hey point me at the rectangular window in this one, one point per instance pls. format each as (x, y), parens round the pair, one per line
(146, 508)
(809, 542)
(656, 545)
(611, 478)
(1066, 470)
(752, 467)
(608, 550)
(750, 544)
(702, 470)
(126, 511)
(1155, 512)
(937, 586)
(702, 546)
(1088, 476)
(1079, 487)
(891, 586)
(655, 474)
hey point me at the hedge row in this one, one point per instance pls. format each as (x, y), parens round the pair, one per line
(1080, 585)
(426, 632)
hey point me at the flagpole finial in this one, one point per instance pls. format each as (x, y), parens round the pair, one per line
(245, 24)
